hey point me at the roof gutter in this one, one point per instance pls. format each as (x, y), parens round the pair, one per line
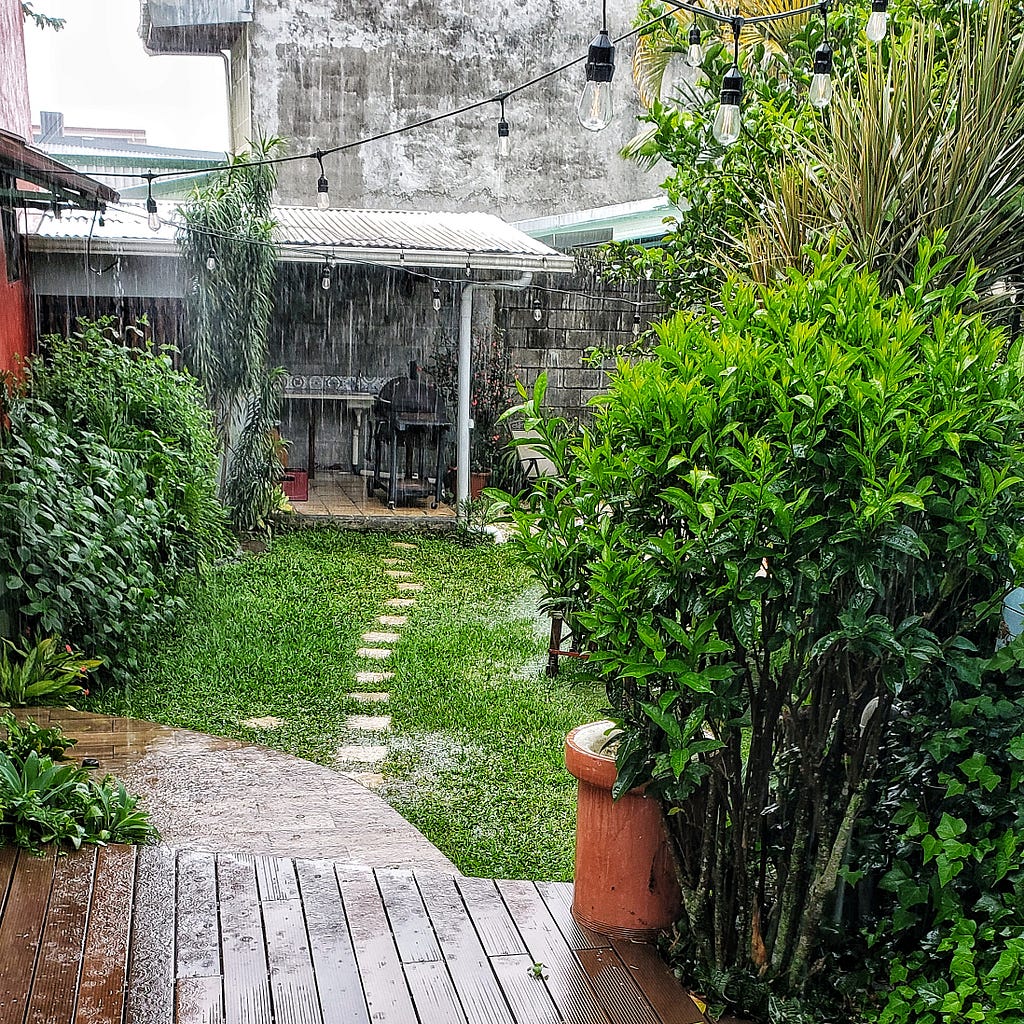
(466, 377)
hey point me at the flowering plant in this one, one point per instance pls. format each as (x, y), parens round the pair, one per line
(46, 671)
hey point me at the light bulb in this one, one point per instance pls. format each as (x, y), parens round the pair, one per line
(436, 299)
(728, 122)
(637, 324)
(325, 277)
(211, 261)
(538, 312)
(820, 93)
(154, 217)
(503, 139)
(323, 197)
(878, 21)
(694, 52)
(595, 107)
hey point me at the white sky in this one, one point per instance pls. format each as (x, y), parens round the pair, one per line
(96, 72)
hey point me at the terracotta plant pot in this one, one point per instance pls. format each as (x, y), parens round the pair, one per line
(625, 882)
(477, 483)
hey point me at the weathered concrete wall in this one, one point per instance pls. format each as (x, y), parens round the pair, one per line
(322, 72)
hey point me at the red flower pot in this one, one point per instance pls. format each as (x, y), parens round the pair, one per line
(625, 884)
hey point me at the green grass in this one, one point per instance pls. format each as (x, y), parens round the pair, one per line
(477, 729)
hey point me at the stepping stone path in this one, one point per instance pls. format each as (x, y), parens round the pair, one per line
(269, 722)
(370, 726)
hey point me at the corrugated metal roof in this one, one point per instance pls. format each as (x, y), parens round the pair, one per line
(389, 237)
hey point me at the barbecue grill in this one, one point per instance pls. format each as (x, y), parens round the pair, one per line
(410, 423)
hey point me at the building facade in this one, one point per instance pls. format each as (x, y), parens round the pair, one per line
(320, 73)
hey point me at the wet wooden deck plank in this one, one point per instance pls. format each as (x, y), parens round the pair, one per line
(292, 983)
(55, 988)
(557, 898)
(498, 933)
(243, 943)
(475, 982)
(380, 969)
(334, 959)
(410, 923)
(567, 981)
(21, 930)
(434, 994)
(526, 993)
(199, 1001)
(8, 858)
(197, 953)
(617, 992)
(101, 990)
(663, 991)
(151, 959)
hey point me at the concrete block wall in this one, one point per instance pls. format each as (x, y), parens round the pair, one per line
(580, 315)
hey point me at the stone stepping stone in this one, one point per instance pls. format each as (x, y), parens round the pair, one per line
(403, 585)
(371, 723)
(267, 722)
(403, 546)
(364, 678)
(359, 754)
(400, 602)
(393, 561)
(381, 638)
(377, 653)
(371, 780)
(371, 698)
(399, 574)
(392, 620)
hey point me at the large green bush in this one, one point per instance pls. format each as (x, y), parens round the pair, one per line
(796, 514)
(106, 491)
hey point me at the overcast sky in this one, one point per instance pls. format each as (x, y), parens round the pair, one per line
(96, 72)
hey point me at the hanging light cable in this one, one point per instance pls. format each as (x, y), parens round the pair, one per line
(694, 52)
(153, 218)
(595, 107)
(878, 21)
(820, 93)
(728, 123)
(503, 132)
(323, 195)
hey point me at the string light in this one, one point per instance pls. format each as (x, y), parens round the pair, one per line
(820, 92)
(323, 195)
(153, 218)
(436, 299)
(878, 21)
(694, 52)
(325, 276)
(595, 107)
(503, 132)
(538, 310)
(637, 324)
(727, 125)
(211, 261)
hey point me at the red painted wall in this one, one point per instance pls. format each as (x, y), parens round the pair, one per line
(16, 117)
(15, 321)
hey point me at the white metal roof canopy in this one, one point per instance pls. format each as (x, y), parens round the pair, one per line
(387, 238)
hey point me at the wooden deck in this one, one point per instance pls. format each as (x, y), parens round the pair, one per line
(152, 936)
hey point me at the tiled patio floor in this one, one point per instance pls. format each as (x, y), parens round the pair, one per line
(341, 497)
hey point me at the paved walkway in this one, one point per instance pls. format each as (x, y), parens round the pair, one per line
(209, 793)
(151, 936)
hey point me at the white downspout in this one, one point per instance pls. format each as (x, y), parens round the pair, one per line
(466, 378)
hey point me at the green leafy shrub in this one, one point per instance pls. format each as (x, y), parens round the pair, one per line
(24, 738)
(106, 491)
(46, 672)
(794, 516)
(42, 802)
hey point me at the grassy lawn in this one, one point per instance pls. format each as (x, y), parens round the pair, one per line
(477, 729)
